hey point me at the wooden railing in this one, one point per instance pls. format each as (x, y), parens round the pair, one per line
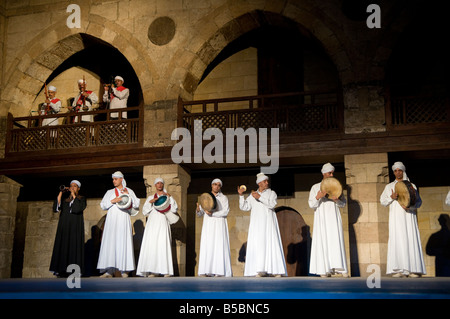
(26, 134)
(416, 111)
(290, 112)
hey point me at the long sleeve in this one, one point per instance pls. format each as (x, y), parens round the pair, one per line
(148, 207)
(341, 202)
(385, 198)
(245, 204)
(224, 208)
(78, 205)
(106, 96)
(269, 199)
(312, 201)
(106, 204)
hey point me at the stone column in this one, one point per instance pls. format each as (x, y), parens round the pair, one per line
(176, 181)
(9, 191)
(367, 175)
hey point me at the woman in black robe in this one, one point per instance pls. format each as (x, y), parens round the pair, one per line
(69, 242)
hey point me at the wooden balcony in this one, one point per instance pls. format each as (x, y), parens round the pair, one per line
(300, 112)
(26, 134)
(417, 112)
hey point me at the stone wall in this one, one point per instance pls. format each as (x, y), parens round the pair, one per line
(9, 190)
(41, 223)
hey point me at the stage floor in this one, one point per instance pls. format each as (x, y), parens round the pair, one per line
(190, 288)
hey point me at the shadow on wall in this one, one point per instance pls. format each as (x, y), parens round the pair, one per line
(296, 239)
(354, 211)
(438, 245)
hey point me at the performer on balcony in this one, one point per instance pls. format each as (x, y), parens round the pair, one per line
(405, 256)
(117, 97)
(69, 242)
(116, 250)
(155, 257)
(84, 102)
(215, 258)
(264, 256)
(52, 105)
(328, 249)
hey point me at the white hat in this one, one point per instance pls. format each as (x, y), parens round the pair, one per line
(261, 177)
(119, 78)
(326, 168)
(119, 174)
(401, 166)
(157, 180)
(81, 81)
(76, 182)
(398, 165)
(51, 88)
(217, 181)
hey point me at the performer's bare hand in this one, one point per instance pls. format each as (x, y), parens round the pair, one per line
(116, 200)
(320, 194)
(256, 195)
(151, 201)
(240, 190)
(394, 195)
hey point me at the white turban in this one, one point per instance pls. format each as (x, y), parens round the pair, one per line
(326, 168)
(81, 81)
(119, 174)
(51, 88)
(398, 165)
(261, 177)
(217, 181)
(157, 180)
(401, 166)
(119, 78)
(76, 182)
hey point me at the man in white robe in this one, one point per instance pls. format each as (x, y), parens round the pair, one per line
(264, 254)
(52, 105)
(116, 250)
(215, 258)
(328, 248)
(117, 96)
(404, 257)
(155, 257)
(84, 102)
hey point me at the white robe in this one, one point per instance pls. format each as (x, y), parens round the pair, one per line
(404, 247)
(447, 199)
(264, 247)
(215, 258)
(90, 100)
(116, 250)
(328, 247)
(118, 101)
(156, 248)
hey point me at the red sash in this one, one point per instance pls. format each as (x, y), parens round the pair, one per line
(162, 211)
(120, 89)
(81, 100)
(117, 195)
(48, 108)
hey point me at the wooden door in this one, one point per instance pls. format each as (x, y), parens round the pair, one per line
(295, 237)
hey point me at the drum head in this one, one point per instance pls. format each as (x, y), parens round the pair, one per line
(331, 186)
(406, 193)
(208, 201)
(125, 202)
(162, 203)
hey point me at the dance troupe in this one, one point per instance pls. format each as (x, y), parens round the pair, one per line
(264, 250)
